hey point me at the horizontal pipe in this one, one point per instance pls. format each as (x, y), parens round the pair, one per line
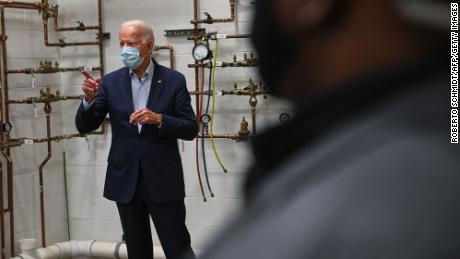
(50, 71)
(227, 36)
(220, 136)
(225, 64)
(32, 100)
(78, 28)
(20, 141)
(18, 5)
(211, 20)
(232, 92)
(77, 248)
(65, 44)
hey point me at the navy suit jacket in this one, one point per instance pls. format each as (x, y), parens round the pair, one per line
(154, 150)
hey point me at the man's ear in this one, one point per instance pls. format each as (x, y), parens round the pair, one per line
(301, 15)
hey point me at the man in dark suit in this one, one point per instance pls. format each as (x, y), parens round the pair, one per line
(149, 108)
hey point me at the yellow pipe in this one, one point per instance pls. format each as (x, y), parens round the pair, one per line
(212, 107)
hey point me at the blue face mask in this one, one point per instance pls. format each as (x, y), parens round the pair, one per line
(130, 57)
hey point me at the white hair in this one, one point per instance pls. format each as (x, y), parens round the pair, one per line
(147, 31)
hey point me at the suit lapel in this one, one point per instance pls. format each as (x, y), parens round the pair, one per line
(156, 87)
(125, 85)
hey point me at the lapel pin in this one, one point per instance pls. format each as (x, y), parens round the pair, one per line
(159, 81)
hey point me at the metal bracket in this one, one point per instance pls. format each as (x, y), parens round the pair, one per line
(105, 35)
(184, 32)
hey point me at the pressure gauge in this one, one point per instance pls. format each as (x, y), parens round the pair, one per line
(201, 51)
(6, 127)
(284, 118)
(205, 118)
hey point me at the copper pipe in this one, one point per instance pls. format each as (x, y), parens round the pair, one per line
(40, 170)
(7, 153)
(171, 54)
(81, 27)
(101, 37)
(197, 101)
(57, 138)
(211, 20)
(32, 100)
(7, 156)
(55, 70)
(250, 63)
(198, 115)
(18, 5)
(2, 211)
(61, 42)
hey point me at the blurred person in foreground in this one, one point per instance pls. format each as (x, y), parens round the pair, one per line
(149, 108)
(365, 169)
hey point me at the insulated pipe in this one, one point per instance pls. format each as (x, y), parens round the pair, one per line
(7, 153)
(85, 248)
(40, 170)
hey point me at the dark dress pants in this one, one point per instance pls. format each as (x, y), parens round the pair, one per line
(169, 221)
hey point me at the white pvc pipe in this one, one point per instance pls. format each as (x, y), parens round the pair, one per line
(89, 248)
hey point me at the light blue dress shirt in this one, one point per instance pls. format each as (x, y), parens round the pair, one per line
(140, 90)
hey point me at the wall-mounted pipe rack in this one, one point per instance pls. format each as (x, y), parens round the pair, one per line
(48, 67)
(247, 61)
(47, 11)
(204, 116)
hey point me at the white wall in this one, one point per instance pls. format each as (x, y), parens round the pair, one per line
(25, 49)
(91, 216)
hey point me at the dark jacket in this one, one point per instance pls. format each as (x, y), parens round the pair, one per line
(154, 150)
(367, 172)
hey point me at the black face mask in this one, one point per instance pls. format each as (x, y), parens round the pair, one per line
(277, 49)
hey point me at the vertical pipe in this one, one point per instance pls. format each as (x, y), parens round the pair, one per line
(40, 171)
(7, 157)
(101, 38)
(101, 49)
(2, 211)
(2, 219)
(6, 118)
(253, 111)
(64, 159)
(197, 99)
